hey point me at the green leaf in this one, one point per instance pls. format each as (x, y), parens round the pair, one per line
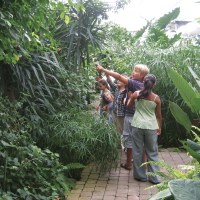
(161, 195)
(162, 22)
(189, 95)
(180, 116)
(5, 144)
(193, 145)
(67, 19)
(192, 152)
(36, 73)
(62, 15)
(185, 189)
(194, 75)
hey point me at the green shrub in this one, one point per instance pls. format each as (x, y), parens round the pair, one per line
(27, 171)
(78, 136)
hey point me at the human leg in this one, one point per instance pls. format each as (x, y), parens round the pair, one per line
(151, 148)
(114, 116)
(127, 129)
(139, 172)
(120, 124)
(128, 163)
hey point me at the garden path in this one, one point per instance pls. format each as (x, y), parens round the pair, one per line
(119, 184)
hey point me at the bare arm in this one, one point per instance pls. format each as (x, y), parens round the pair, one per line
(112, 85)
(158, 114)
(113, 74)
(131, 100)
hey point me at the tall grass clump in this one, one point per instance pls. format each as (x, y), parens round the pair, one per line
(78, 136)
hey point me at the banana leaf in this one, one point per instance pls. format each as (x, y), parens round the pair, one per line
(180, 116)
(190, 96)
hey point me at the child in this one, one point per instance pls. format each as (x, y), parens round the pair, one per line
(133, 84)
(109, 107)
(119, 90)
(103, 86)
(146, 124)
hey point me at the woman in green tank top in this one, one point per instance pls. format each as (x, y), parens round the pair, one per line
(146, 123)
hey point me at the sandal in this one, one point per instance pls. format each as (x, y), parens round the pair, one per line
(125, 166)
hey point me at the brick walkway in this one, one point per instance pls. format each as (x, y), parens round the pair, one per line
(119, 184)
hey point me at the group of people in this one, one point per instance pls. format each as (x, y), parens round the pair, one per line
(136, 112)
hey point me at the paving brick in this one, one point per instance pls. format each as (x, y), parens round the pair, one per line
(86, 194)
(73, 197)
(134, 197)
(109, 197)
(119, 184)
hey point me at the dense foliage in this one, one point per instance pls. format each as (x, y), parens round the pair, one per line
(45, 57)
(47, 71)
(27, 171)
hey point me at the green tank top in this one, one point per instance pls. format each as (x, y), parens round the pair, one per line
(144, 116)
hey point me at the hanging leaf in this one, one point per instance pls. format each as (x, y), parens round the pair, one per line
(180, 116)
(189, 95)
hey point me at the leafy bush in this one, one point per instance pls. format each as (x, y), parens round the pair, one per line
(78, 136)
(27, 171)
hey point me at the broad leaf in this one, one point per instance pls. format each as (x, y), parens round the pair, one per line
(161, 195)
(185, 189)
(180, 116)
(189, 95)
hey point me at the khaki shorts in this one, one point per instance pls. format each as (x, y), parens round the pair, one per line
(127, 130)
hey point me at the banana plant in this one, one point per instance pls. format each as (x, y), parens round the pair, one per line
(157, 31)
(190, 95)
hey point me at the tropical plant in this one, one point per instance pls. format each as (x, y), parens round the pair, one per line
(78, 136)
(176, 183)
(190, 95)
(179, 188)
